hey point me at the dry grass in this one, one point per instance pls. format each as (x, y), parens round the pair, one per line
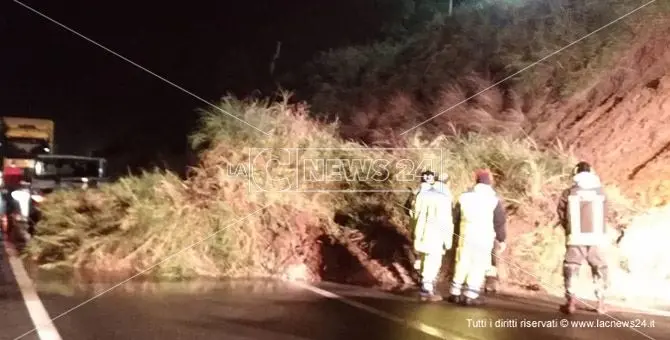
(139, 221)
(456, 57)
(356, 237)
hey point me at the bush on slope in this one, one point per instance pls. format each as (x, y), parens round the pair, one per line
(188, 227)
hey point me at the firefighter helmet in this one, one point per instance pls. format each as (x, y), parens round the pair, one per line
(581, 167)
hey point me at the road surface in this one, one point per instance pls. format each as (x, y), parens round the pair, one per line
(14, 315)
(260, 309)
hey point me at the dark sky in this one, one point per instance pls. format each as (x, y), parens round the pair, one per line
(207, 47)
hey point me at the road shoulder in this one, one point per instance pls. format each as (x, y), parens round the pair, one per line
(21, 307)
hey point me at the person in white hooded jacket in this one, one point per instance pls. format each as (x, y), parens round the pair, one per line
(582, 212)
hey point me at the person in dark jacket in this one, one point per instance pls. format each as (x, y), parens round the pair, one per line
(582, 212)
(481, 220)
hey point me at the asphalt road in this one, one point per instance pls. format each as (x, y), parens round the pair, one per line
(14, 314)
(255, 309)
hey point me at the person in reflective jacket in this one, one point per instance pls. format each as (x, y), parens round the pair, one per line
(480, 219)
(432, 226)
(428, 180)
(582, 211)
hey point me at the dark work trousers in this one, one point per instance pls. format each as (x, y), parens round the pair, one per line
(595, 258)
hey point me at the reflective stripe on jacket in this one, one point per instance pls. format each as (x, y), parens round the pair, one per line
(582, 211)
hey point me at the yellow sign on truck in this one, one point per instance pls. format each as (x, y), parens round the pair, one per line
(25, 138)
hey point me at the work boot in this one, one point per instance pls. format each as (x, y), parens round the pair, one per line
(466, 301)
(430, 297)
(570, 306)
(428, 293)
(454, 299)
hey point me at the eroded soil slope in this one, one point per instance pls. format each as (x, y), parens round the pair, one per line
(622, 123)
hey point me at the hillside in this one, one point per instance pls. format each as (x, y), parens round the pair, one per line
(479, 71)
(341, 229)
(621, 121)
(603, 98)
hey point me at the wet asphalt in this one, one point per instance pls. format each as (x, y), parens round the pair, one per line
(13, 312)
(275, 310)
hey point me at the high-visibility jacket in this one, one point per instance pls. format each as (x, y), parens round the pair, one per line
(437, 185)
(582, 211)
(481, 218)
(432, 222)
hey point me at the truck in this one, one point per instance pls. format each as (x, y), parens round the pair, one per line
(51, 173)
(23, 139)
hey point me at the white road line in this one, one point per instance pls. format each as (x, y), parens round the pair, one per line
(40, 318)
(419, 326)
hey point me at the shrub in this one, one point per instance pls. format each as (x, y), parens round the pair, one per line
(141, 221)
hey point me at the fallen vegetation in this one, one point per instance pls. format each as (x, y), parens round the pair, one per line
(319, 230)
(358, 237)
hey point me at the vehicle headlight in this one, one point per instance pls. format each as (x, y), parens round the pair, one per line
(39, 168)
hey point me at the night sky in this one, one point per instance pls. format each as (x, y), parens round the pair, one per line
(209, 48)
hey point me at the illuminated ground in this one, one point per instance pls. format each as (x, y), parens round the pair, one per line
(276, 310)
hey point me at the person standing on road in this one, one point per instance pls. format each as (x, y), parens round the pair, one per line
(11, 180)
(480, 219)
(432, 226)
(428, 180)
(582, 214)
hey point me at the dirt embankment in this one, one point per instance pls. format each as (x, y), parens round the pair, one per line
(617, 124)
(622, 122)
